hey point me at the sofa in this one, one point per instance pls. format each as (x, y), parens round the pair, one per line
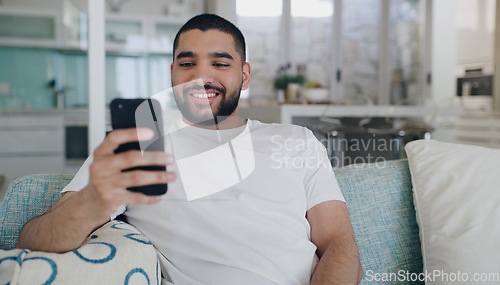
(379, 198)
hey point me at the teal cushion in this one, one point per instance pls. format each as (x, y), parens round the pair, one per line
(26, 198)
(380, 204)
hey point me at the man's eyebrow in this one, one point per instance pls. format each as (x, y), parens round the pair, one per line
(221, 54)
(185, 54)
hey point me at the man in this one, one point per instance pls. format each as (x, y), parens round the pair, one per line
(269, 226)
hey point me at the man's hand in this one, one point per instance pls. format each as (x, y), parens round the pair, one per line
(108, 185)
(66, 225)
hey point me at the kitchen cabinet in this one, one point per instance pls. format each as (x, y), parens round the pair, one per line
(30, 144)
(46, 41)
(29, 28)
(55, 24)
(65, 28)
(140, 34)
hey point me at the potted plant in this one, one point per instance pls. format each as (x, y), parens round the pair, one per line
(288, 84)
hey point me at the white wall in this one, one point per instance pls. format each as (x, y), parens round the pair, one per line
(475, 22)
(444, 50)
(463, 38)
(223, 8)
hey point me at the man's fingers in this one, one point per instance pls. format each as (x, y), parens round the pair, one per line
(143, 178)
(121, 136)
(113, 189)
(129, 159)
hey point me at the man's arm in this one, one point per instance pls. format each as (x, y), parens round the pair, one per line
(66, 225)
(331, 232)
(63, 228)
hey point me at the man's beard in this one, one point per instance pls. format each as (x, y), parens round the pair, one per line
(226, 107)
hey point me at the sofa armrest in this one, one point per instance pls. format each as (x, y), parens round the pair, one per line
(116, 253)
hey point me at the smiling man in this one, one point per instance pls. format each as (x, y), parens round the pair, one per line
(255, 218)
(218, 59)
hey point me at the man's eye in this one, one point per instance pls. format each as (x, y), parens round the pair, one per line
(186, 64)
(221, 64)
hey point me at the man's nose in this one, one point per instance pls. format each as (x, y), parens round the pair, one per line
(205, 72)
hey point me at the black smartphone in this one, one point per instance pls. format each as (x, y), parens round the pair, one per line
(134, 113)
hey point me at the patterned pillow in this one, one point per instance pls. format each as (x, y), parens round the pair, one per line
(380, 204)
(116, 253)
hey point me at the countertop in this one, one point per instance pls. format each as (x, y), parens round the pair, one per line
(318, 110)
(284, 113)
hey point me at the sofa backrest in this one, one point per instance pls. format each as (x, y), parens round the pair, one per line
(26, 198)
(380, 203)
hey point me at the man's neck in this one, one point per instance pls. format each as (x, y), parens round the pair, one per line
(229, 122)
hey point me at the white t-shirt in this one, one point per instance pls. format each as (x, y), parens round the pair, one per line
(249, 227)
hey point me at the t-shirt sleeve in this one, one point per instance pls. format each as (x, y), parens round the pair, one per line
(81, 179)
(319, 179)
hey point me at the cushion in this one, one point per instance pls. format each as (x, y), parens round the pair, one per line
(26, 198)
(457, 197)
(116, 253)
(380, 205)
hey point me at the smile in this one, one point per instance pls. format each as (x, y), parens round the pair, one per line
(204, 95)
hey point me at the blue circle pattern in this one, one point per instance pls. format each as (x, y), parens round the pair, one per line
(49, 261)
(17, 258)
(134, 271)
(131, 236)
(102, 260)
(116, 226)
(157, 267)
(11, 258)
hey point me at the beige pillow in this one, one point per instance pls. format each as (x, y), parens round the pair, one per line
(456, 192)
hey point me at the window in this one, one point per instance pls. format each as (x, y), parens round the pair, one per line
(262, 30)
(365, 51)
(311, 38)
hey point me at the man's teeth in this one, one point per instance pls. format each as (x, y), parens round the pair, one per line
(204, 95)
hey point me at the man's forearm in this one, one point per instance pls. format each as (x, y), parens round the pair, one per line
(60, 230)
(338, 265)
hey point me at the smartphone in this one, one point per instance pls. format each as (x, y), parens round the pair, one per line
(134, 113)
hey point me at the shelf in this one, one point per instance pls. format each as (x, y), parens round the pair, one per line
(140, 34)
(28, 28)
(129, 35)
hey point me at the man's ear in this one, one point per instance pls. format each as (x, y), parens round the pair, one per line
(246, 76)
(171, 67)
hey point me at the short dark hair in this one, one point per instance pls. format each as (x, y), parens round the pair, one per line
(206, 22)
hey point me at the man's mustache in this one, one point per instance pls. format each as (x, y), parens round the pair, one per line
(204, 88)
